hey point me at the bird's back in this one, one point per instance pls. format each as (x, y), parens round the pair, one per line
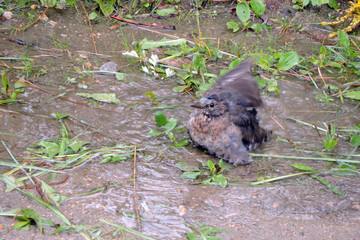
(239, 82)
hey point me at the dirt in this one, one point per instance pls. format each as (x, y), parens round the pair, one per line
(296, 208)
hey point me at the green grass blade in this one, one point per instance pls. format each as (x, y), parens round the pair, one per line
(127, 230)
(279, 178)
(306, 158)
(6, 164)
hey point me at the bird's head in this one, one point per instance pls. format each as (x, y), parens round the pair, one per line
(212, 106)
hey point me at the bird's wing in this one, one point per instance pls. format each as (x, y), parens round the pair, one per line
(240, 82)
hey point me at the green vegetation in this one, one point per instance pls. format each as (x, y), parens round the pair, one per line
(8, 94)
(170, 127)
(211, 171)
(203, 232)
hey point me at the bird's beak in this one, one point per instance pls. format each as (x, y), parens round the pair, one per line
(196, 105)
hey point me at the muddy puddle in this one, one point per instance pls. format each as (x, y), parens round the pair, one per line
(294, 208)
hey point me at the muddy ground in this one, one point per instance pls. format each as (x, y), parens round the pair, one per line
(297, 208)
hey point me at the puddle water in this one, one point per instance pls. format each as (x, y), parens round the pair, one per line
(167, 204)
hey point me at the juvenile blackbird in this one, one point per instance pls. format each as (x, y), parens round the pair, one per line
(225, 120)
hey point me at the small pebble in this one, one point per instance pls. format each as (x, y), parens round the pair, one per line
(110, 67)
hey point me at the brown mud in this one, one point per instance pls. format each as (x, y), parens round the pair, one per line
(299, 208)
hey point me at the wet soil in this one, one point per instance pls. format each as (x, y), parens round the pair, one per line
(298, 208)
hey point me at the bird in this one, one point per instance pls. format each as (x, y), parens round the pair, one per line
(224, 121)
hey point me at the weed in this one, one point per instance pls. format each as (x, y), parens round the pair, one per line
(203, 232)
(331, 138)
(214, 173)
(211, 171)
(106, 6)
(300, 4)
(355, 137)
(243, 11)
(169, 126)
(151, 97)
(61, 4)
(26, 217)
(324, 98)
(64, 145)
(7, 94)
(58, 44)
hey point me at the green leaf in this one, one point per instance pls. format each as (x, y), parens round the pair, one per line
(234, 26)
(302, 167)
(76, 145)
(182, 166)
(32, 215)
(272, 86)
(344, 38)
(154, 132)
(261, 82)
(107, 7)
(8, 101)
(334, 4)
(182, 143)
(222, 164)
(59, 116)
(62, 145)
(235, 63)
(171, 124)
(101, 97)
(297, 7)
(51, 195)
(258, 7)
(330, 186)
(149, 44)
(19, 84)
(352, 95)
(51, 148)
(190, 175)
(166, 11)
(330, 145)
(306, 2)
(209, 164)
(160, 119)
(288, 60)
(14, 182)
(192, 236)
(6, 90)
(355, 140)
(243, 12)
(220, 180)
(119, 76)
(170, 135)
(92, 15)
(204, 86)
(186, 168)
(258, 27)
(150, 95)
(179, 88)
(22, 225)
(199, 62)
(164, 106)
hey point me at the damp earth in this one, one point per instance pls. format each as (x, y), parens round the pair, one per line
(158, 202)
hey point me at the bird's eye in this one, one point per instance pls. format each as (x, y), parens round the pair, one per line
(211, 105)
